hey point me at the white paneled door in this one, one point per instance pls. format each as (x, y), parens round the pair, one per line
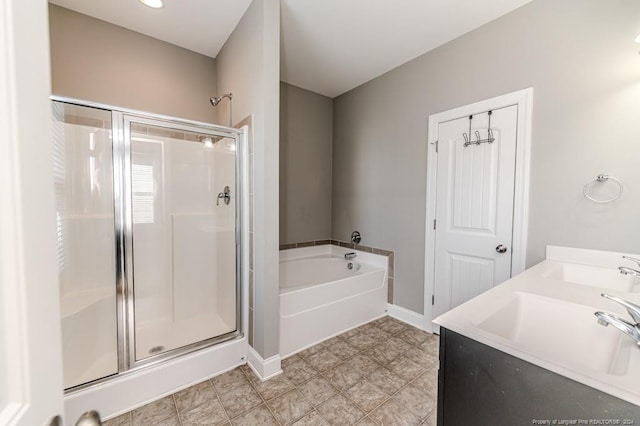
(474, 206)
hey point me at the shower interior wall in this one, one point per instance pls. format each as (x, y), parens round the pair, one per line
(184, 259)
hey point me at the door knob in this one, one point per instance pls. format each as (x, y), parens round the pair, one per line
(90, 418)
(501, 249)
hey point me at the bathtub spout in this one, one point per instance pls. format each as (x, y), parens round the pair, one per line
(349, 256)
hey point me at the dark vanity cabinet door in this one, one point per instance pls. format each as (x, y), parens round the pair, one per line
(480, 385)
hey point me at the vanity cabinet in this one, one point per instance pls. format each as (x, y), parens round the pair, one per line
(480, 385)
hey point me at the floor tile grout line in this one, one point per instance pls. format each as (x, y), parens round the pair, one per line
(264, 401)
(226, 413)
(354, 403)
(207, 401)
(175, 407)
(307, 400)
(224, 410)
(388, 397)
(215, 391)
(315, 407)
(404, 406)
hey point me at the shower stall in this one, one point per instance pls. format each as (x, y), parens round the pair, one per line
(148, 238)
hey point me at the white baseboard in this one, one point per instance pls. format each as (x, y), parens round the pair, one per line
(264, 368)
(405, 315)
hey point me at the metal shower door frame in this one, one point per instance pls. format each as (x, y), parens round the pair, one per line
(128, 341)
(121, 163)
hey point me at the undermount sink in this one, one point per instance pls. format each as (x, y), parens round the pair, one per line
(560, 331)
(593, 276)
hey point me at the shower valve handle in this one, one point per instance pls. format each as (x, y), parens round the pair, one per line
(225, 195)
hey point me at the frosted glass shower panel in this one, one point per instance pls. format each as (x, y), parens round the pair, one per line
(184, 269)
(85, 241)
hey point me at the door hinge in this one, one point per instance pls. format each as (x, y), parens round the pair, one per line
(436, 142)
(433, 299)
(434, 224)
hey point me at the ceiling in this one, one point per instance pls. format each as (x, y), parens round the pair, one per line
(202, 26)
(332, 46)
(327, 46)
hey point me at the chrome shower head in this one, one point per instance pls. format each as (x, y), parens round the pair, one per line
(215, 100)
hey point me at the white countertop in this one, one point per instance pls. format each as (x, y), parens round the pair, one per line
(542, 317)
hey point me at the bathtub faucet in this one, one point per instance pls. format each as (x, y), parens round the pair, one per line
(349, 256)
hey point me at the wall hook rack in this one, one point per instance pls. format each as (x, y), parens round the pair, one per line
(479, 140)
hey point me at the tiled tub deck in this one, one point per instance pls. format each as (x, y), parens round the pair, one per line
(382, 373)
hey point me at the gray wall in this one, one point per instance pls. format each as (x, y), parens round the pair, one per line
(306, 139)
(249, 66)
(101, 62)
(581, 60)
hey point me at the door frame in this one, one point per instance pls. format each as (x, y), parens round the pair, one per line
(30, 348)
(524, 100)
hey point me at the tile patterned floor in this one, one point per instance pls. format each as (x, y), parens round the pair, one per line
(382, 373)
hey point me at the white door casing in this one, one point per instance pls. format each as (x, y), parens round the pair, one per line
(474, 207)
(517, 247)
(30, 345)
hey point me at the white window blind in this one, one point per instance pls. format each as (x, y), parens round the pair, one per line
(142, 193)
(59, 180)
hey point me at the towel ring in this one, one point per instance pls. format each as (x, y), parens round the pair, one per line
(602, 178)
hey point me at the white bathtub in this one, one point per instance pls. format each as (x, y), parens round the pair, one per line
(320, 297)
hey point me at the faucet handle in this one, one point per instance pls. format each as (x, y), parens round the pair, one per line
(633, 309)
(633, 259)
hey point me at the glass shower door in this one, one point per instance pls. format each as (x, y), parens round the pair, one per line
(181, 191)
(85, 241)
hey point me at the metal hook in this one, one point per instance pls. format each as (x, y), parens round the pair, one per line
(467, 138)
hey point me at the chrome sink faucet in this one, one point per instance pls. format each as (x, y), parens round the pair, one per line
(350, 256)
(630, 329)
(624, 270)
(629, 271)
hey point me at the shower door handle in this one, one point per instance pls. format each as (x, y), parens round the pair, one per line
(225, 195)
